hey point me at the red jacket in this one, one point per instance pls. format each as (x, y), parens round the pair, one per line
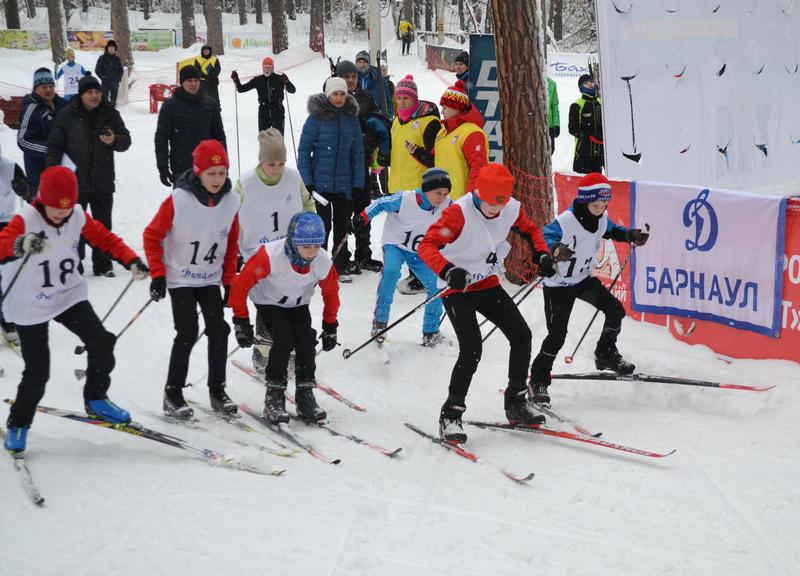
(258, 267)
(93, 232)
(448, 228)
(161, 224)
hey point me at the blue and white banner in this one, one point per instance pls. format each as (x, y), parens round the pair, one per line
(484, 91)
(713, 254)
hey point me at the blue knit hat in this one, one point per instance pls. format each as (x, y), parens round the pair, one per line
(43, 76)
(306, 229)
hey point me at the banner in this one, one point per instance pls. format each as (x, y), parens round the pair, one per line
(242, 40)
(24, 40)
(200, 37)
(484, 91)
(152, 40)
(567, 65)
(88, 39)
(713, 255)
(441, 57)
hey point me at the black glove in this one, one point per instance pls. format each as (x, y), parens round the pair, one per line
(167, 179)
(23, 189)
(359, 221)
(243, 331)
(235, 76)
(29, 243)
(457, 278)
(285, 78)
(226, 295)
(139, 269)
(357, 192)
(158, 288)
(636, 236)
(328, 336)
(555, 131)
(383, 160)
(311, 188)
(562, 252)
(547, 266)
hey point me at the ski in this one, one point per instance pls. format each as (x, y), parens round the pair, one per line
(13, 346)
(564, 420)
(288, 434)
(464, 453)
(636, 377)
(569, 436)
(24, 474)
(326, 389)
(135, 429)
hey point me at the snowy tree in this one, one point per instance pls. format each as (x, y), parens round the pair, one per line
(290, 9)
(30, 8)
(212, 9)
(146, 8)
(428, 15)
(280, 36)
(187, 22)
(58, 30)
(242, 12)
(316, 33)
(12, 14)
(259, 7)
(122, 31)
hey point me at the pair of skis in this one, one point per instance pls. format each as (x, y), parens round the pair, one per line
(636, 377)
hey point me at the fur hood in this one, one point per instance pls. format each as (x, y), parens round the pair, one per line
(319, 106)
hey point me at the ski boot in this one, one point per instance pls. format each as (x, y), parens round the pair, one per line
(307, 407)
(371, 265)
(105, 409)
(9, 332)
(220, 401)
(174, 404)
(611, 359)
(519, 410)
(450, 428)
(275, 403)
(410, 285)
(539, 394)
(16, 437)
(377, 328)
(433, 339)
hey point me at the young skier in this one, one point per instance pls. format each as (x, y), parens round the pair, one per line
(270, 195)
(191, 245)
(72, 73)
(280, 279)
(465, 248)
(409, 215)
(40, 247)
(574, 237)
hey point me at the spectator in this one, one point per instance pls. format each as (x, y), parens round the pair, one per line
(461, 146)
(586, 124)
(406, 35)
(109, 70)
(89, 131)
(39, 110)
(185, 120)
(331, 162)
(209, 67)
(369, 78)
(553, 116)
(462, 69)
(72, 73)
(270, 87)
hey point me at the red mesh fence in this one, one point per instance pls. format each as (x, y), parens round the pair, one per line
(535, 193)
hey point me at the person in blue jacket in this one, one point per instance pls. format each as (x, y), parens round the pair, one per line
(330, 158)
(369, 80)
(38, 114)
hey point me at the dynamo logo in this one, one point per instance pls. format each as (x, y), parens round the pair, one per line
(699, 213)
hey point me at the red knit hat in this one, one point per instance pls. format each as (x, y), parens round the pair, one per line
(456, 97)
(268, 61)
(207, 154)
(58, 187)
(593, 186)
(494, 184)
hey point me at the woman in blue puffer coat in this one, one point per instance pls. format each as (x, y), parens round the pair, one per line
(330, 158)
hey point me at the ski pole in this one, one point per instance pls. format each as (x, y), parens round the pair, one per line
(291, 128)
(347, 352)
(531, 286)
(513, 297)
(231, 353)
(236, 106)
(82, 349)
(81, 374)
(16, 275)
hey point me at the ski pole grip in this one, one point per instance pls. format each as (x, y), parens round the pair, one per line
(346, 353)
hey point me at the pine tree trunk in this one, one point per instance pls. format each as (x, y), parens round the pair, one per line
(408, 10)
(259, 6)
(290, 10)
(316, 33)
(67, 8)
(522, 83)
(462, 20)
(12, 14)
(187, 23)
(84, 6)
(213, 14)
(415, 20)
(242, 12)
(429, 15)
(558, 19)
(146, 8)
(328, 11)
(58, 30)
(280, 36)
(122, 31)
(30, 8)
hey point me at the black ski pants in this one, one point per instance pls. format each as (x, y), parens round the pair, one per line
(558, 303)
(291, 330)
(496, 306)
(584, 165)
(82, 321)
(101, 206)
(271, 117)
(110, 93)
(184, 315)
(336, 216)
(360, 202)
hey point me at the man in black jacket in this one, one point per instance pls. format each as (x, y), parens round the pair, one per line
(109, 70)
(270, 87)
(88, 132)
(586, 124)
(185, 120)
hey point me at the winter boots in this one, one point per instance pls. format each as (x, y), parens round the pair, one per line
(16, 437)
(611, 359)
(220, 401)
(450, 427)
(539, 393)
(410, 285)
(307, 407)
(9, 332)
(520, 410)
(175, 405)
(377, 328)
(432, 339)
(275, 403)
(105, 409)
(371, 265)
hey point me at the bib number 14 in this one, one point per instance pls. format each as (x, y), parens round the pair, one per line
(210, 256)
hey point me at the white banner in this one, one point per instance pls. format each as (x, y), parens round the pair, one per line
(712, 254)
(567, 65)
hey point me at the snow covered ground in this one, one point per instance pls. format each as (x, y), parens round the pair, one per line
(727, 502)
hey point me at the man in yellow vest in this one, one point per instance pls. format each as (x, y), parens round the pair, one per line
(406, 29)
(209, 71)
